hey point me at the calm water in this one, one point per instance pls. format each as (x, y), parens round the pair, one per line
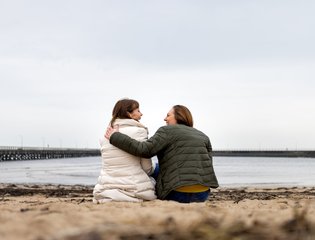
(230, 171)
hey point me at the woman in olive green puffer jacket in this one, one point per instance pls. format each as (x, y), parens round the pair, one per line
(186, 171)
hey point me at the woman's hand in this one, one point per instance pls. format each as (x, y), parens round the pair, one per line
(111, 130)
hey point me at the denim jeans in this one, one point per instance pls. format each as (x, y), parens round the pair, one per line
(156, 171)
(183, 197)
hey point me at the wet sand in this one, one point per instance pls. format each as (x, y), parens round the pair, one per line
(67, 212)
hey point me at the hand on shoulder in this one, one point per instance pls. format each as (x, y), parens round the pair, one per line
(110, 130)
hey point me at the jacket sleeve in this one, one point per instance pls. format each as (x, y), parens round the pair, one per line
(145, 149)
(147, 166)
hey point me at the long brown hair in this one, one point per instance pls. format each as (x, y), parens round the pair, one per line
(183, 115)
(122, 109)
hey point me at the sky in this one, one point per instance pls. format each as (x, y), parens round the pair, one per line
(245, 69)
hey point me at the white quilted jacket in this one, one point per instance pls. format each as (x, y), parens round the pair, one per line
(124, 177)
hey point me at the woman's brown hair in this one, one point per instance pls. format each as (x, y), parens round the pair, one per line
(183, 115)
(122, 109)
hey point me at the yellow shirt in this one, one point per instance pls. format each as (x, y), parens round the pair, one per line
(192, 189)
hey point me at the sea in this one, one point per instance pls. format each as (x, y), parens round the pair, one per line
(230, 171)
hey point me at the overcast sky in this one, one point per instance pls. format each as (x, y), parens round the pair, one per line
(245, 69)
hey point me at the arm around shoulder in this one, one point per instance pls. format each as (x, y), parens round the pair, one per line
(145, 149)
(130, 145)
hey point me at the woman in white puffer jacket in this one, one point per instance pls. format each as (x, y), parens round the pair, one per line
(125, 177)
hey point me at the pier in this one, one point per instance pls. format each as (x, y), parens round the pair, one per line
(34, 153)
(265, 153)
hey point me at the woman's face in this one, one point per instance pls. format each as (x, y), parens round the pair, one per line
(136, 114)
(170, 118)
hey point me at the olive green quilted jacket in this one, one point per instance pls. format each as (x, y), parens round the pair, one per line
(184, 155)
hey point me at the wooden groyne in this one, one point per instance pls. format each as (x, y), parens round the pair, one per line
(33, 153)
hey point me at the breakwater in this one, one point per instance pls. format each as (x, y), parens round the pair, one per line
(34, 153)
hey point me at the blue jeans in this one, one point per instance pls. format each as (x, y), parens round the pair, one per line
(156, 171)
(183, 197)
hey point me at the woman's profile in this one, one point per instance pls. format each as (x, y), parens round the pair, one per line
(125, 177)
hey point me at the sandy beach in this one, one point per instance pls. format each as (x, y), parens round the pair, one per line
(67, 212)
